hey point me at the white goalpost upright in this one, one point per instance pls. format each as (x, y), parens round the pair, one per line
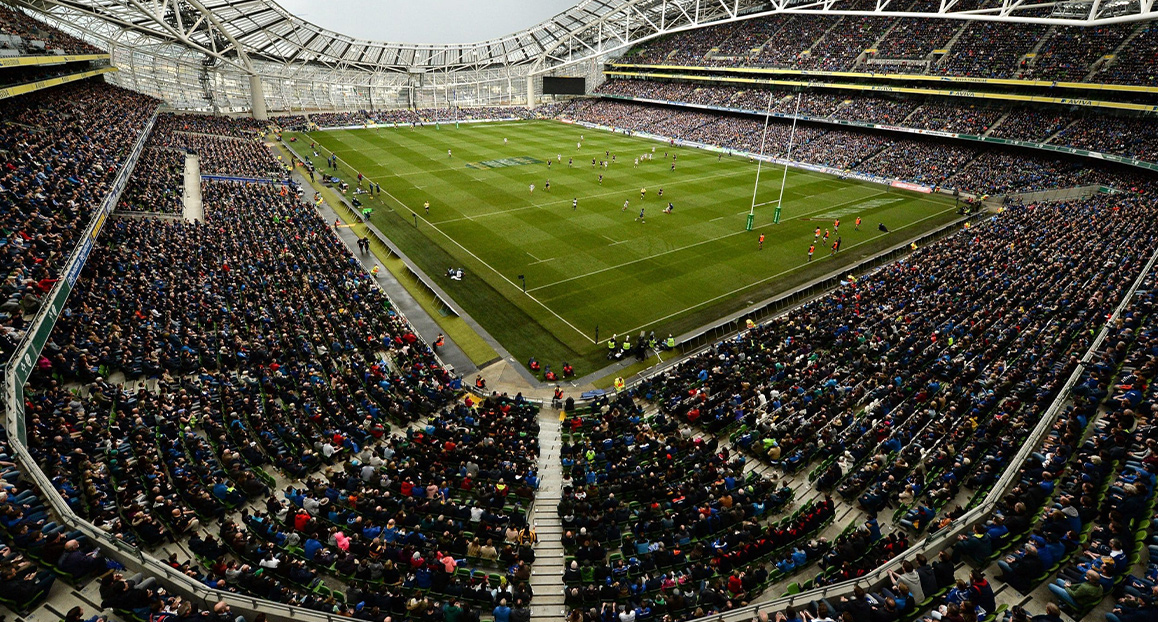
(787, 159)
(760, 163)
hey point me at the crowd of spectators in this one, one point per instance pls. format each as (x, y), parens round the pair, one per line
(1137, 63)
(1131, 137)
(401, 116)
(1031, 125)
(1137, 138)
(13, 76)
(916, 159)
(272, 348)
(688, 47)
(395, 521)
(660, 520)
(990, 50)
(960, 119)
(60, 149)
(157, 184)
(792, 386)
(799, 33)
(884, 110)
(235, 127)
(983, 49)
(843, 44)
(922, 161)
(225, 155)
(16, 23)
(840, 150)
(1070, 53)
(915, 39)
(1001, 172)
(35, 549)
(745, 39)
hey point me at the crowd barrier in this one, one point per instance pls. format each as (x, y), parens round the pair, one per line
(16, 373)
(17, 370)
(991, 140)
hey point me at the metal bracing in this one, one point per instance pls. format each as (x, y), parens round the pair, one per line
(241, 31)
(304, 66)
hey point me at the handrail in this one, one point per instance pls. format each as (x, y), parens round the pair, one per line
(21, 361)
(16, 372)
(134, 557)
(931, 545)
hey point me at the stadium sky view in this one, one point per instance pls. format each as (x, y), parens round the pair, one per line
(413, 22)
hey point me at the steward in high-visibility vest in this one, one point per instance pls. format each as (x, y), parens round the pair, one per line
(670, 343)
(611, 344)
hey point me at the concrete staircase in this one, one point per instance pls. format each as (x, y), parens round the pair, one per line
(1059, 132)
(996, 123)
(1032, 54)
(1112, 57)
(193, 209)
(547, 575)
(949, 45)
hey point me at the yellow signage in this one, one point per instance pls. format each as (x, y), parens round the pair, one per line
(897, 76)
(21, 89)
(23, 61)
(1069, 101)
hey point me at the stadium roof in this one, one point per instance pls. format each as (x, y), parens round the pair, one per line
(242, 31)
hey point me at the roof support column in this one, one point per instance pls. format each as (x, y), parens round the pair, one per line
(257, 98)
(530, 92)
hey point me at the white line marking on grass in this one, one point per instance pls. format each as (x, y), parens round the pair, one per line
(592, 196)
(502, 276)
(763, 280)
(610, 239)
(537, 260)
(542, 260)
(680, 248)
(717, 218)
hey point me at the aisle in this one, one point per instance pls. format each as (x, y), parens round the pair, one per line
(194, 210)
(547, 575)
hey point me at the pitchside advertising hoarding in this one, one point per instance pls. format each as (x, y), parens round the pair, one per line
(29, 353)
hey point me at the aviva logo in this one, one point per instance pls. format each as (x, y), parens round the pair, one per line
(504, 162)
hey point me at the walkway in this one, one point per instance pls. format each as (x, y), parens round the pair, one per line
(547, 573)
(419, 319)
(194, 210)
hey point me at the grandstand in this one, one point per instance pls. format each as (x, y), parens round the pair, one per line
(305, 327)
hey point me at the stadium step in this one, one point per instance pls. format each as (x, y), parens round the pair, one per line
(550, 557)
(192, 206)
(1110, 58)
(1030, 58)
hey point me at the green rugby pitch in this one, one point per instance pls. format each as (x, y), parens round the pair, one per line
(597, 265)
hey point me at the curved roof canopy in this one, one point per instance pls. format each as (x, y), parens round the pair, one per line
(241, 31)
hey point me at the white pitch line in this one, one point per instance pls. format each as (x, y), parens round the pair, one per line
(717, 218)
(542, 261)
(589, 196)
(491, 268)
(537, 260)
(693, 245)
(766, 279)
